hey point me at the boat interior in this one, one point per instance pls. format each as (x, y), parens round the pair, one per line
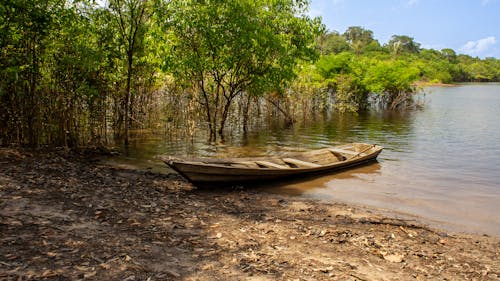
(311, 159)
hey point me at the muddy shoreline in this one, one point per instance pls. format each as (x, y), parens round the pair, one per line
(65, 216)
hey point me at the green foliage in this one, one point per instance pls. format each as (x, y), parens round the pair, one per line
(131, 18)
(24, 29)
(357, 34)
(372, 47)
(63, 65)
(332, 42)
(225, 48)
(392, 81)
(483, 70)
(332, 65)
(359, 38)
(388, 74)
(353, 78)
(450, 55)
(70, 70)
(342, 74)
(403, 44)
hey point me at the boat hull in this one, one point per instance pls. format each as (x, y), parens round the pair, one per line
(217, 173)
(228, 175)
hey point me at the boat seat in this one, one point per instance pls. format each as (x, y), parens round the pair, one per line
(271, 165)
(300, 163)
(246, 164)
(345, 151)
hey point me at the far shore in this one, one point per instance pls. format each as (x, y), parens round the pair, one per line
(422, 84)
(67, 216)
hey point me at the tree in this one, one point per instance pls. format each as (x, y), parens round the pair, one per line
(358, 37)
(373, 46)
(403, 44)
(131, 17)
(450, 55)
(343, 74)
(392, 81)
(71, 79)
(332, 42)
(221, 49)
(24, 28)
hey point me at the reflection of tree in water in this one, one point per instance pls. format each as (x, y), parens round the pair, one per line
(384, 128)
(390, 129)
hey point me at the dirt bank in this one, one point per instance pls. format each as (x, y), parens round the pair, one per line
(69, 217)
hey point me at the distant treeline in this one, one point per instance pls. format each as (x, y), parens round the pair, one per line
(437, 66)
(75, 73)
(357, 69)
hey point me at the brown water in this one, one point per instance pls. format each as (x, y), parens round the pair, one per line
(441, 162)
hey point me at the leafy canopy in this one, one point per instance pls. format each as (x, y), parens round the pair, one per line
(244, 45)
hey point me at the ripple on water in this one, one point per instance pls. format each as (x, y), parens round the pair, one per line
(440, 162)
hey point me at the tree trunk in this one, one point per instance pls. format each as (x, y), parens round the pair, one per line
(127, 97)
(33, 102)
(246, 110)
(289, 120)
(225, 113)
(212, 123)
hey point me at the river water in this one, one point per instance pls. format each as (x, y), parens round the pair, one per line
(441, 162)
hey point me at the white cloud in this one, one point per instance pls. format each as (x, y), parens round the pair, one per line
(480, 46)
(414, 2)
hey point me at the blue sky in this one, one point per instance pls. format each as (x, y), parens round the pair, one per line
(468, 26)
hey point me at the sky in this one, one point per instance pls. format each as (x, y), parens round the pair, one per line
(467, 26)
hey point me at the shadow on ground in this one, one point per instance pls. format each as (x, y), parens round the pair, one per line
(68, 217)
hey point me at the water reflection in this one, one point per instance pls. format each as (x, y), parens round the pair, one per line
(393, 129)
(440, 162)
(304, 185)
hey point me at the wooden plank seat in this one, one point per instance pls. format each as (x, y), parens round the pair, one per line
(244, 164)
(345, 151)
(299, 163)
(268, 164)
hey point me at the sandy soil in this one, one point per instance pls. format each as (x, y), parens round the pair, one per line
(65, 216)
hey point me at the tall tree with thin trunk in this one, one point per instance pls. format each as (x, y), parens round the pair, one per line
(131, 18)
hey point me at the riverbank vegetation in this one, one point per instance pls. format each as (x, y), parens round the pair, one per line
(76, 73)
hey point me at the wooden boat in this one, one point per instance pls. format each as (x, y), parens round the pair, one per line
(236, 170)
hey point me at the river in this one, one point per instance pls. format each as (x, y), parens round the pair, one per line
(441, 162)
